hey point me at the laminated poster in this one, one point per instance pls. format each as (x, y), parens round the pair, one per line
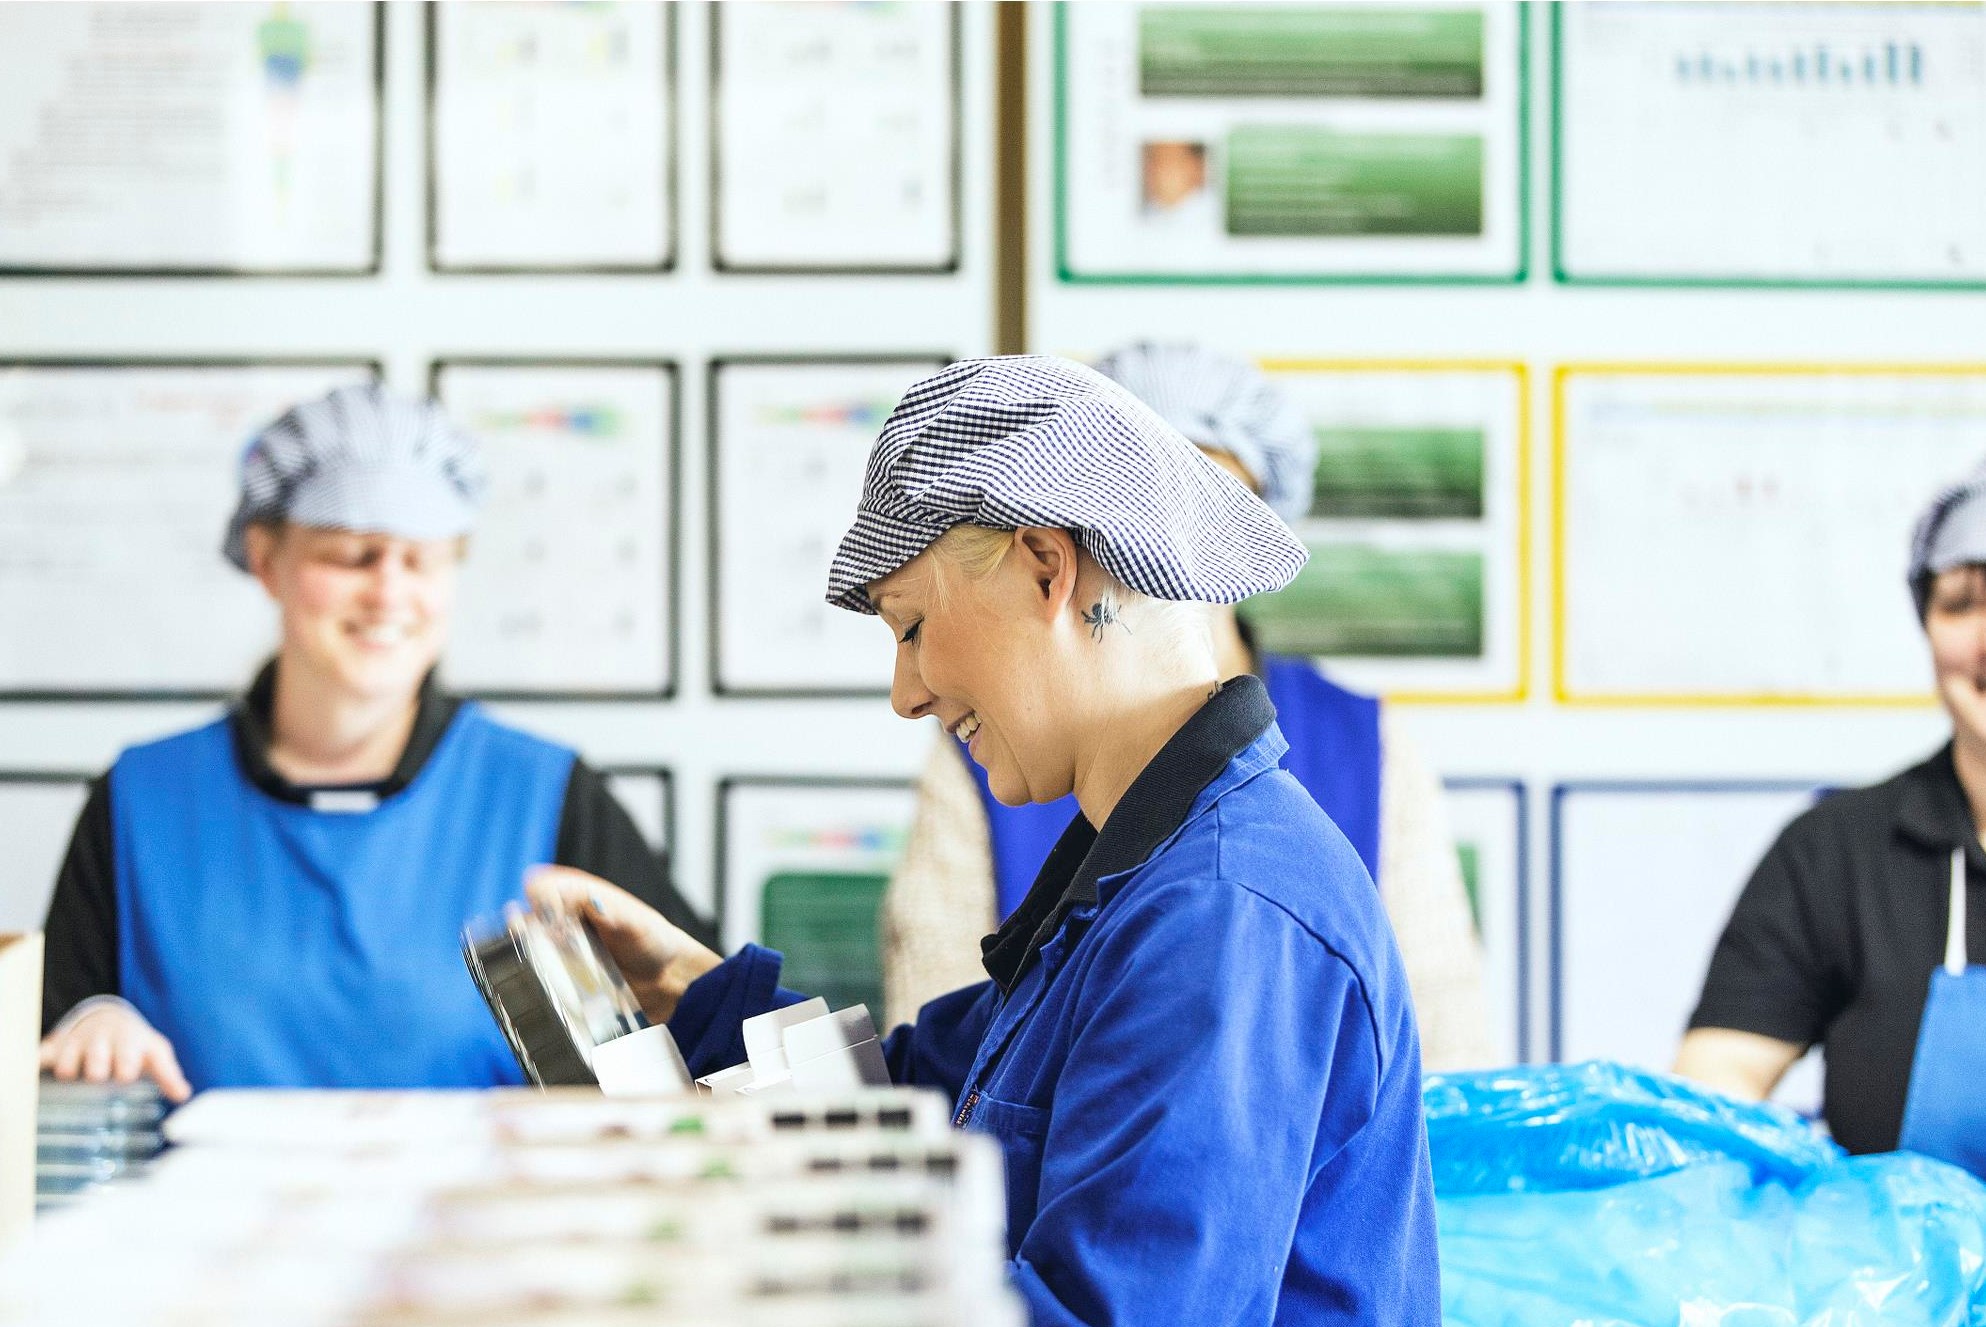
(805, 865)
(568, 584)
(790, 442)
(1779, 508)
(1800, 143)
(1646, 876)
(553, 136)
(36, 819)
(1414, 583)
(1487, 820)
(236, 138)
(1301, 141)
(835, 136)
(116, 484)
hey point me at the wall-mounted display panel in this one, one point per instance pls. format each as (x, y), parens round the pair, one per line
(1487, 818)
(37, 816)
(1204, 142)
(196, 138)
(551, 137)
(1417, 583)
(788, 442)
(116, 484)
(1777, 503)
(648, 794)
(1775, 144)
(802, 865)
(570, 584)
(834, 137)
(1644, 877)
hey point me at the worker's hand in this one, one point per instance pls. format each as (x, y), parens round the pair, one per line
(112, 1043)
(658, 958)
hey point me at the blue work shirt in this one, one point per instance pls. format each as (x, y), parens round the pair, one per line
(1197, 1053)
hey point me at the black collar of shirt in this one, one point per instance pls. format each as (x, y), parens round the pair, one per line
(250, 720)
(1933, 812)
(1153, 807)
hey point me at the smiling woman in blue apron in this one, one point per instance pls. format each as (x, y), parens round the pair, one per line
(1195, 1046)
(1858, 929)
(276, 898)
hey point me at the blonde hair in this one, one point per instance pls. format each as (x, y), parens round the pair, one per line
(975, 551)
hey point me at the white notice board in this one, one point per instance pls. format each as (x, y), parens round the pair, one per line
(834, 137)
(211, 138)
(1829, 144)
(569, 585)
(802, 825)
(37, 817)
(1487, 819)
(116, 484)
(1207, 142)
(1778, 506)
(1416, 582)
(1644, 877)
(552, 136)
(789, 440)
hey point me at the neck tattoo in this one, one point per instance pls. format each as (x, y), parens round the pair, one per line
(1103, 614)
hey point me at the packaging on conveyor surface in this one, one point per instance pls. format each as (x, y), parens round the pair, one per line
(553, 1209)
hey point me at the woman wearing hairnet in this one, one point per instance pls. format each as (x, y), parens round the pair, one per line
(1857, 931)
(969, 860)
(276, 898)
(1196, 1047)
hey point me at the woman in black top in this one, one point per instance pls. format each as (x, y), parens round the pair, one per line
(1855, 930)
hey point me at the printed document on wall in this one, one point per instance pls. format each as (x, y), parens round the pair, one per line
(805, 866)
(116, 484)
(791, 441)
(1780, 142)
(568, 585)
(553, 136)
(1647, 876)
(1487, 820)
(1218, 141)
(1414, 582)
(1744, 536)
(194, 137)
(836, 136)
(36, 820)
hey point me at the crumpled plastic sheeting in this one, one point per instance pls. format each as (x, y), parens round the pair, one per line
(1583, 1126)
(1713, 1241)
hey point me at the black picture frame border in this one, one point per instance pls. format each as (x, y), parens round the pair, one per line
(63, 696)
(714, 127)
(431, 158)
(672, 374)
(374, 270)
(713, 522)
(720, 854)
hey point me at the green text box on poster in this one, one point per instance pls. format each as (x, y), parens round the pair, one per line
(1286, 51)
(1358, 601)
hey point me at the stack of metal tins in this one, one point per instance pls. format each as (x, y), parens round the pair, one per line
(91, 1134)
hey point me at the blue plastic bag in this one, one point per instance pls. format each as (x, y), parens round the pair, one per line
(1597, 1195)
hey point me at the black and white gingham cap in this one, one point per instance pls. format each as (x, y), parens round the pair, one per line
(1950, 533)
(360, 459)
(1032, 440)
(1225, 405)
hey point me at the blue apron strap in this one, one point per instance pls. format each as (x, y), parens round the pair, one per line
(1944, 1115)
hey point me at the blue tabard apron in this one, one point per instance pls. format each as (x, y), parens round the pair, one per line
(1944, 1115)
(1334, 753)
(280, 946)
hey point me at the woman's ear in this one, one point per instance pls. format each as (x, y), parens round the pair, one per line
(1048, 559)
(260, 544)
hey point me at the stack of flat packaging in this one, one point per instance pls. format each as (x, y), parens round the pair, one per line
(539, 1208)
